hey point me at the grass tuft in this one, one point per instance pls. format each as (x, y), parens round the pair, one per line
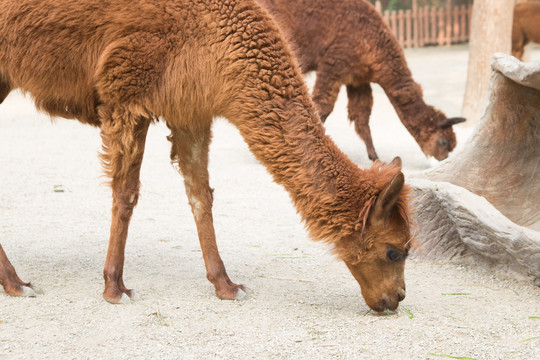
(58, 188)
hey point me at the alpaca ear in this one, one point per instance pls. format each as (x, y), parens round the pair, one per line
(446, 123)
(387, 198)
(396, 162)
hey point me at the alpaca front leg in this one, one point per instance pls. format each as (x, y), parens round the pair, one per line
(10, 281)
(360, 105)
(325, 93)
(124, 137)
(190, 152)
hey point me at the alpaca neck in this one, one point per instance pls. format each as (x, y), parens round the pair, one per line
(404, 93)
(414, 113)
(327, 189)
(270, 105)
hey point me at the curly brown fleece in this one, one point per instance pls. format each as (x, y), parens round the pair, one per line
(348, 43)
(122, 64)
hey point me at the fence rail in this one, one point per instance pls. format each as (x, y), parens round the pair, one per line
(427, 25)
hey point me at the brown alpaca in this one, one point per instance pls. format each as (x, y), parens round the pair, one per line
(347, 43)
(526, 27)
(123, 64)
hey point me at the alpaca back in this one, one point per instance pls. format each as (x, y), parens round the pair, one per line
(61, 52)
(349, 34)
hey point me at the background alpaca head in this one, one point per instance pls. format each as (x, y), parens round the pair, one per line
(429, 126)
(439, 139)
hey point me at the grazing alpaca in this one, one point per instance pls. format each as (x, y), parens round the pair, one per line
(525, 28)
(123, 64)
(347, 42)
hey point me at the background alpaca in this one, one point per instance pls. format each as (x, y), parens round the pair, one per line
(525, 28)
(348, 43)
(123, 65)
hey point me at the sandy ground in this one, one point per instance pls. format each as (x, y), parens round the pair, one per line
(303, 303)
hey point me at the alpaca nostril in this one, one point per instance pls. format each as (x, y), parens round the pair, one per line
(401, 295)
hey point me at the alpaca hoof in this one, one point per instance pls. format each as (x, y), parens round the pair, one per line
(134, 296)
(27, 291)
(123, 299)
(241, 295)
(36, 289)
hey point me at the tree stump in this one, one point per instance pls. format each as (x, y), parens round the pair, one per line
(483, 203)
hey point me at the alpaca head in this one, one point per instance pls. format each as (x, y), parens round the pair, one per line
(441, 139)
(375, 253)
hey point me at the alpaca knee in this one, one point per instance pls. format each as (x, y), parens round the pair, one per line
(200, 201)
(124, 203)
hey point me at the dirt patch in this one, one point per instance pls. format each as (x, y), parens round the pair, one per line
(303, 303)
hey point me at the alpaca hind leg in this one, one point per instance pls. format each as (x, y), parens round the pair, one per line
(11, 282)
(190, 152)
(360, 105)
(9, 279)
(124, 136)
(325, 93)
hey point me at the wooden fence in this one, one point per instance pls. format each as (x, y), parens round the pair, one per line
(421, 26)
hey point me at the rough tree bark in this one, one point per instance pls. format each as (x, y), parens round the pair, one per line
(491, 32)
(495, 181)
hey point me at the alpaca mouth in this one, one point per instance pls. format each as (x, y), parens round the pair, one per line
(388, 303)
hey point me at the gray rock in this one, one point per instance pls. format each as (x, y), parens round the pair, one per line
(478, 204)
(457, 225)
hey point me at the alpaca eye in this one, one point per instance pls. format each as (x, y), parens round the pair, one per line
(443, 142)
(393, 255)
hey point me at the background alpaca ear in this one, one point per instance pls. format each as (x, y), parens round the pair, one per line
(446, 123)
(387, 198)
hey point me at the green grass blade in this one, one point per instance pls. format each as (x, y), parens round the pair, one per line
(457, 293)
(411, 315)
(535, 337)
(453, 357)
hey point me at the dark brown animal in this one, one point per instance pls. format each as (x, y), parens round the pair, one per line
(121, 65)
(526, 27)
(348, 43)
